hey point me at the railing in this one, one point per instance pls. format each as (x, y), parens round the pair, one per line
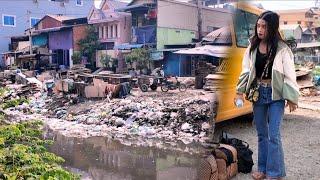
(304, 59)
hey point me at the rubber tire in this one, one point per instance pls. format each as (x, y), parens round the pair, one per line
(144, 87)
(182, 87)
(153, 87)
(164, 88)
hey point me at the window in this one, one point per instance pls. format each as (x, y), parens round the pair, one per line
(111, 33)
(9, 20)
(244, 27)
(79, 2)
(116, 30)
(107, 32)
(299, 22)
(100, 32)
(34, 21)
(285, 22)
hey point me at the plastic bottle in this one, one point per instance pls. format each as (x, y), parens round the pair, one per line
(239, 103)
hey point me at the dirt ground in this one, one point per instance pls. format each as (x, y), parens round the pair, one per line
(300, 138)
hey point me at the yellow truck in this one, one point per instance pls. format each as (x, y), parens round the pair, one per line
(242, 27)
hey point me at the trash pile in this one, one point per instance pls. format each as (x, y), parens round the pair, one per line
(77, 103)
(171, 117)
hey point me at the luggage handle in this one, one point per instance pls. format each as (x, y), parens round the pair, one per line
(230, 140)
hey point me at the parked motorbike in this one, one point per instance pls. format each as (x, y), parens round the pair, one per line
(168, 85)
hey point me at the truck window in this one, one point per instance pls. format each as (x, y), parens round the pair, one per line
(244, 26)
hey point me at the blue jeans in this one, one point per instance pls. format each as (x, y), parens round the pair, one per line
(268, 115)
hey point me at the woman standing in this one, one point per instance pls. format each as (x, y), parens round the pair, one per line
(268, 65)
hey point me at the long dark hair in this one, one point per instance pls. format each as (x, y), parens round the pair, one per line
(273, 35)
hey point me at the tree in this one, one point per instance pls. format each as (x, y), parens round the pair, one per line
(90, 44)
(109, 62)
(76, 57)
(140, 56)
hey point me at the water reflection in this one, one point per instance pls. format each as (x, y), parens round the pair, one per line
(107, 159)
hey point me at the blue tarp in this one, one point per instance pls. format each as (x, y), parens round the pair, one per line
(127, 46)
(145, 35)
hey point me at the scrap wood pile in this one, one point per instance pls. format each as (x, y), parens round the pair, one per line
(308, 79)
(214, 82)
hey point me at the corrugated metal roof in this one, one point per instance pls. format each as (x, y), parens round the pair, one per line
(118, 4)
(221, 35)
(60, 17)
(308, 45)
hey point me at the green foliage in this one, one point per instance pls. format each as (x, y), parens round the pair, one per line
(89, 44)
(140, 56)
(76, 57)
(316, 71)
(14, 102)
(23, 154)
(108, 62)
(3, 91)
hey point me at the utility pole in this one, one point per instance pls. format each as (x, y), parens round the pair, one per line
(199, 7)
(29, 33)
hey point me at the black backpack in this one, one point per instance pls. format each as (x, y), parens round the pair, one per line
(245, 161)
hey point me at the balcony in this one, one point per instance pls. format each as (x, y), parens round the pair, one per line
(144, 34)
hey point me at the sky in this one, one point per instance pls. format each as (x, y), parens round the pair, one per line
(97, 3)
(268, 4)
(286, 4)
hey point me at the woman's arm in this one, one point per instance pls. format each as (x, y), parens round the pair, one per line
(244, 75)
(290, 89)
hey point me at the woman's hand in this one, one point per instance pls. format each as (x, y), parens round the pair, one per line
(292, 106)
(238, 96)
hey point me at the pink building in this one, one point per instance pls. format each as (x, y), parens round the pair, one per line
(114, 29)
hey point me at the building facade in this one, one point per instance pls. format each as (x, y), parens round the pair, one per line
(114, 28)
(16, 17)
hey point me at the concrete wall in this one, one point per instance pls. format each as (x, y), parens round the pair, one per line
(37, 10)
(185, 16)
(168, 36)
(79, 32)
(125, 29)
(293, 18)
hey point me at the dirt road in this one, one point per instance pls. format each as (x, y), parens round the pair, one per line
(300, 138)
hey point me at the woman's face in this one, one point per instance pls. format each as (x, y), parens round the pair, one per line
(262, 29)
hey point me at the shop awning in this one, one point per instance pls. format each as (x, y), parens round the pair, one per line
(208, 50)
(136, 7)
